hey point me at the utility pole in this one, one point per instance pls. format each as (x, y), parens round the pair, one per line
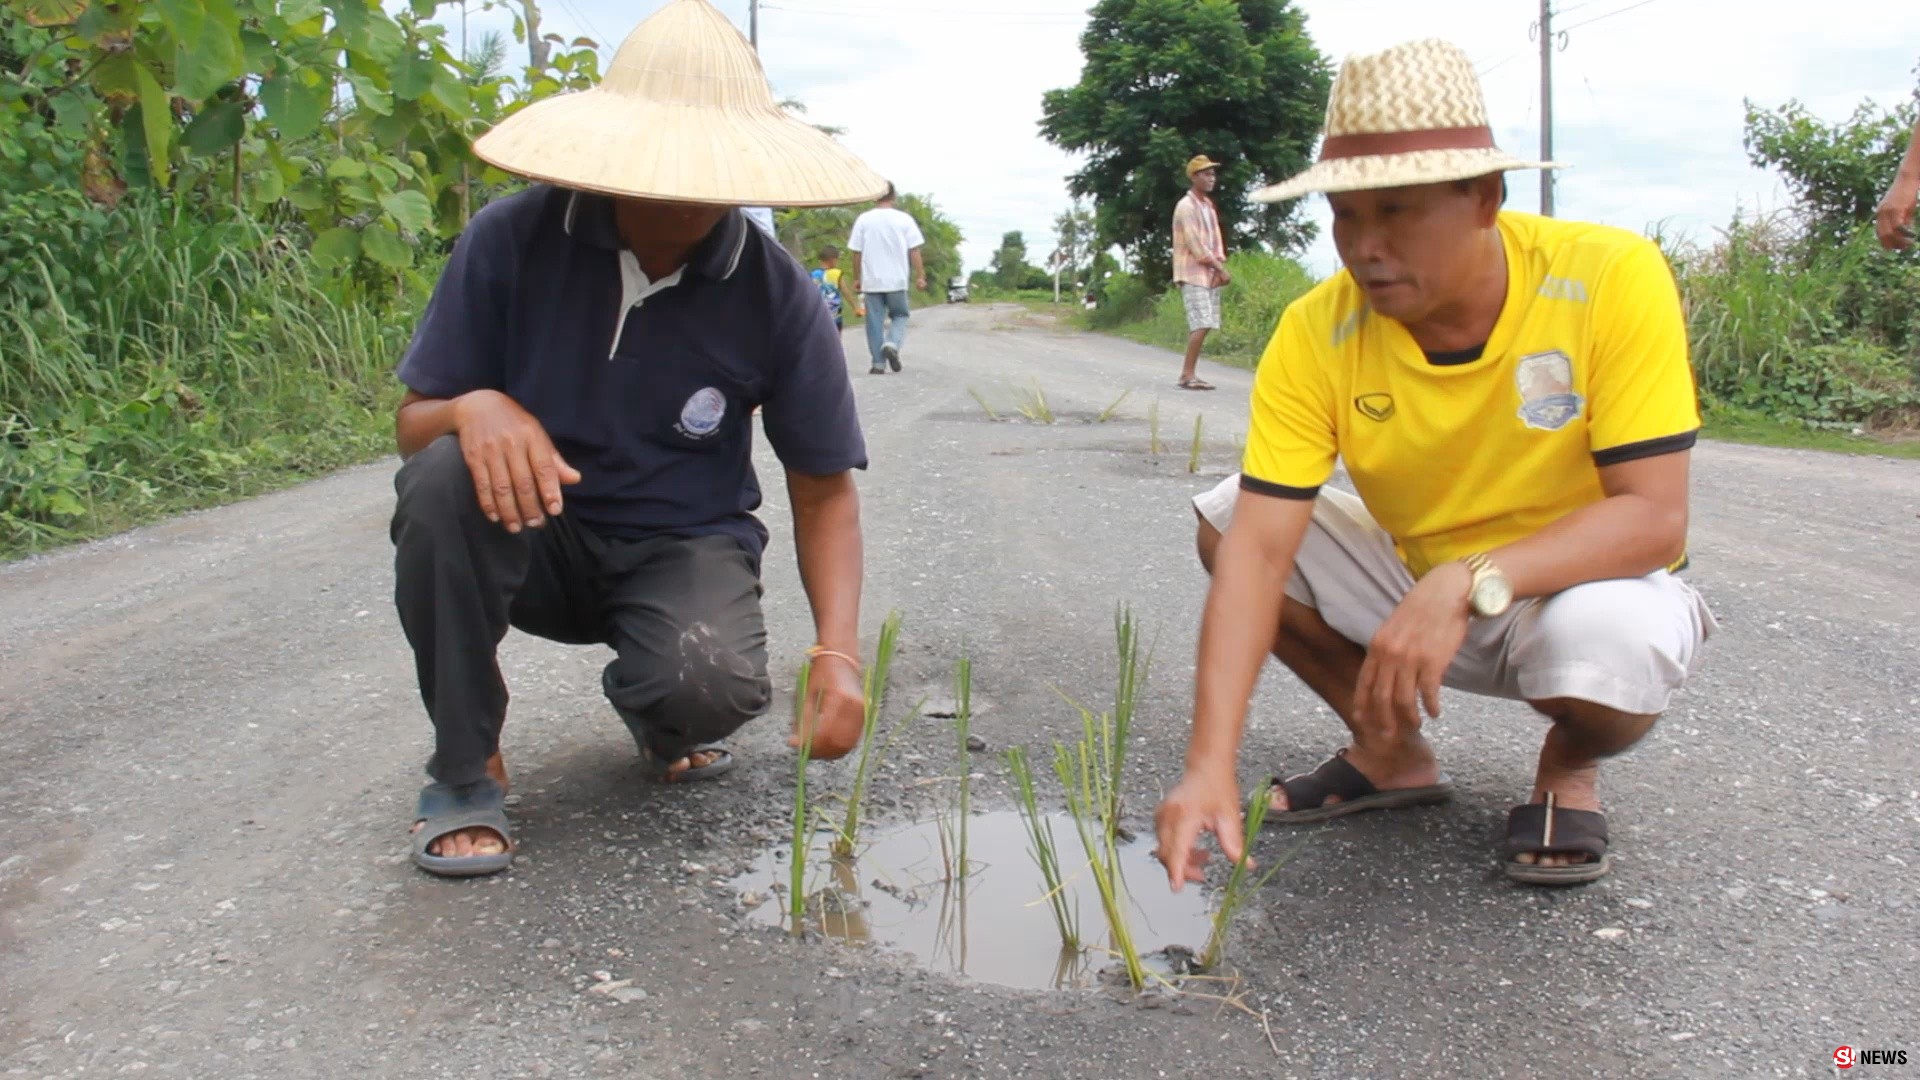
(1546, 106)
(753, 24)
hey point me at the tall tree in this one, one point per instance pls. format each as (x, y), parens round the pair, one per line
(1074, 238)
(1237, 80)
(1009, 264)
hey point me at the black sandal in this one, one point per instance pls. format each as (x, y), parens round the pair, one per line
(1544, 828)
(1307, 793)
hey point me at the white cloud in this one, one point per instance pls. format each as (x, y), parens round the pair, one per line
(944, 97)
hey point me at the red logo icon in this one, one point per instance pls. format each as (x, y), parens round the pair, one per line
(1844, 1057)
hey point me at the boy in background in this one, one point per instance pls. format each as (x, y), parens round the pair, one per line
(827, 277)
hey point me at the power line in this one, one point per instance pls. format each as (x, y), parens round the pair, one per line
(1485, 71)
(869, 6)
(1608, 15)
(1549, 38)
(1027, 18)
(580, 18)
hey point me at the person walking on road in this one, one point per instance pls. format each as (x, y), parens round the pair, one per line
(1513, 401)
(1893, 220)
(581, 468)
(886, 244)
(828, 277)
(1199, 262)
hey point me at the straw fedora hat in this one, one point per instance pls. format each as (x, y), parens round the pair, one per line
(683, 114)
(1412, 114)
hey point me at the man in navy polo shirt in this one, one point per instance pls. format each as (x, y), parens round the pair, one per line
(577, 429)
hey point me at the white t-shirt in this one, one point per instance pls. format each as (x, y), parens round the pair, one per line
(883, 237)
(763, 217)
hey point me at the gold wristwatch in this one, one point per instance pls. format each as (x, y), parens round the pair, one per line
(1491, 593)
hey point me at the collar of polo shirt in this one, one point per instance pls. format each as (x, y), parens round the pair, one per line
(590, 220)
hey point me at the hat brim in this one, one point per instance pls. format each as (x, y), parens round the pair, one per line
(723, 156)
(1370, 173)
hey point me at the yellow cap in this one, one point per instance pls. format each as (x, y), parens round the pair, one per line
(1199, 163)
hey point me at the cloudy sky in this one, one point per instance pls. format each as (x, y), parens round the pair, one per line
(943, 96)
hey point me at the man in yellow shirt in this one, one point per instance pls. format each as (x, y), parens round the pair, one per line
(1512, 400)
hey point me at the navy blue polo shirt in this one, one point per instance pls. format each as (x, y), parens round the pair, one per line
(653, 404)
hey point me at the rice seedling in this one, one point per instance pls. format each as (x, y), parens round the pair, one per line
(1033, 405)
(1234, 896)
(1106, 414)
(1091, 772)
(1193, 455)
(962, 725)
(1153, 429)
(988, 409)
(797, 855)
(1044, 850)
(1080, 771)
(1132, 676)
(875, 688)
(952, 826)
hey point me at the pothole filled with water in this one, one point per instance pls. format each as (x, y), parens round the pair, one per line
(898, 891)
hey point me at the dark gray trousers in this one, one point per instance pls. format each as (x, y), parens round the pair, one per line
(682, 615)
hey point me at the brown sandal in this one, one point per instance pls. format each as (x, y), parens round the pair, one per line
(1194, 382)
(1307, 793)
(1544, 828)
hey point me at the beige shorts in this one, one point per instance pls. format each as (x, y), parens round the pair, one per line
(1627, 644)
(1203, 307)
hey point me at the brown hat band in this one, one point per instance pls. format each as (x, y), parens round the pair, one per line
(1377, 143)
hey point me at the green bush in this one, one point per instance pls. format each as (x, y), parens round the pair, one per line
(1127, 300)
(1803, 330)
(56, 243)
(1263, 285)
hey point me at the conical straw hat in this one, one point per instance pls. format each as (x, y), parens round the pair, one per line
(683, 114)
(1412, 114)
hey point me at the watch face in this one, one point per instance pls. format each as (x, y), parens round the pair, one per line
(1491, 595)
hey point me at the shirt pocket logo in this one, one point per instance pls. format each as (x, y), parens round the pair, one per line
(1375, 406)
(1545, 382)
(701, 415)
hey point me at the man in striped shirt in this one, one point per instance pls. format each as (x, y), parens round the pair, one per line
(1199, 263)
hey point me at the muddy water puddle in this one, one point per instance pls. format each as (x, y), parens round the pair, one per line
(995, 925)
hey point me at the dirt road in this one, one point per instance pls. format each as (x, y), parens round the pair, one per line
(213, 744)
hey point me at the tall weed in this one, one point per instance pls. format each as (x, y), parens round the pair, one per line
(215, 362)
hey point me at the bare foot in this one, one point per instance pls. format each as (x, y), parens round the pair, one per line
(469, 842)
(1411, 764)
(1575, 786)
(699, 759)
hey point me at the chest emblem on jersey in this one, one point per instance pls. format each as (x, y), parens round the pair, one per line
(1547, 400)
(1375, 406)
(701, 415)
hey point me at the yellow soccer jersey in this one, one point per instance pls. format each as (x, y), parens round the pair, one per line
(1586, 367)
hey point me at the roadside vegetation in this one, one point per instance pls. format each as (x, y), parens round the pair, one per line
(219, 220)
(1804, 333)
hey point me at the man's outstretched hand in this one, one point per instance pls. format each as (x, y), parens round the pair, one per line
(1201, 803)
(1893, 220)
(517, 474)
(835, 711)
